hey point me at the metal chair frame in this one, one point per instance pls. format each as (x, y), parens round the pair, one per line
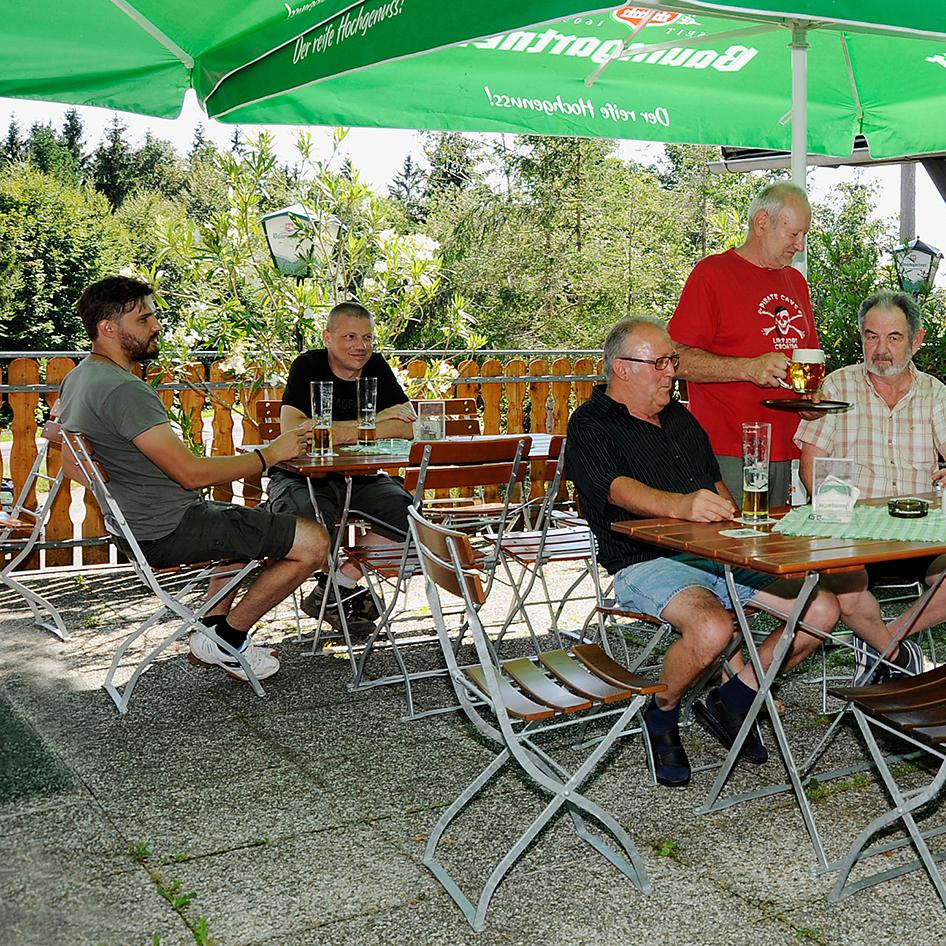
(439, 465)
(512, 705)
(912, 711)
(33, 514)
(171, 586)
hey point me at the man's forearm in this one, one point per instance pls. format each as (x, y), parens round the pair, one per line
(643, 500)
(697, 364)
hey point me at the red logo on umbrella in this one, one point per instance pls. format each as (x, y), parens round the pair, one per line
(634, 15)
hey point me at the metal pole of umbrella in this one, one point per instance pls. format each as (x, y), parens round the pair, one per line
(799, 47)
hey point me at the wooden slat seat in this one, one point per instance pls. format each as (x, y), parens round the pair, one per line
(542, 688)
(581, 680)
(895, 687)
(600, 664)
(516, 702)
(920, 720)
(565, 544)
(910, 717)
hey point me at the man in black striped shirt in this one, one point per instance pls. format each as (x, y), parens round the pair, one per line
(634, 453)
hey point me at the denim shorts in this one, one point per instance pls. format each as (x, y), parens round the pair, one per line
(648, 587)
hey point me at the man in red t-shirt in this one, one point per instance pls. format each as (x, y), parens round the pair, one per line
(740, 316)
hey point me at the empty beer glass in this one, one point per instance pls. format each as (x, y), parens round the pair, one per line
(321, 395)
(756, 444)
(806, 371)
(367, 410)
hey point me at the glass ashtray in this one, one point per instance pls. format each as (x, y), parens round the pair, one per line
(908, 507)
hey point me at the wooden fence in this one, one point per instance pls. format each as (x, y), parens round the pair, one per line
(515, 396)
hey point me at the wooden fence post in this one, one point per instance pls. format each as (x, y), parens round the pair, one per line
(515, 397)
(221, 445)
(59, 526)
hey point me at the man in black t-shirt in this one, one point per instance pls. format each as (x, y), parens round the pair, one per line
(347, 356)
(633, 452)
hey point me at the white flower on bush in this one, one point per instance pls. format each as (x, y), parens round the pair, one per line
(235, 362)
(386, 236)
(381, 266)
(423, 246)
(369, 284)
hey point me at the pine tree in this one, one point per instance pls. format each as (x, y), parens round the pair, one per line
(408, 187)
(112, 165)
(157, 167)
(452, 156)
(47, 154)
(71, 135)
(200, 140)
(13, 147)
(236, 141)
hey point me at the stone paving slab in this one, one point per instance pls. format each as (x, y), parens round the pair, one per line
(210, 816)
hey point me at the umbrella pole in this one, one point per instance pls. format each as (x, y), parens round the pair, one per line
(799, 47)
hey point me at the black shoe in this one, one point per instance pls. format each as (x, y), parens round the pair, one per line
(671, 765)
(363, 604)
(359, 625)
(720, 722)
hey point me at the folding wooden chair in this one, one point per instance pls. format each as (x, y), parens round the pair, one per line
(440, 466)
(23, 533)
(173, 587)
(512, 704)
(555, 538)
(460, 414)
(911, 710)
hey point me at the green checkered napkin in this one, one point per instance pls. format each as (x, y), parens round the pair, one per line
(869, 522)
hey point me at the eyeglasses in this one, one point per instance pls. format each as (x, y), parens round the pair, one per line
(659, 363)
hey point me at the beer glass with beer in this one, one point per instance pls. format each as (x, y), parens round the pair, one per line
(756, 444)
(367, 410)
(806, 371)
(321, 399)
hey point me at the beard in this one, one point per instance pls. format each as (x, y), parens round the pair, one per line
(888, 368)
(137, 350)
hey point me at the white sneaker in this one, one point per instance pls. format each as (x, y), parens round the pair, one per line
(262, 661)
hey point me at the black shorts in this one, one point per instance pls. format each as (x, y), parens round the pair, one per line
(903, 569)
(381, 498)
(212, 530)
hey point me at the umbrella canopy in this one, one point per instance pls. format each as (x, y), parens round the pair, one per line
(696, 72)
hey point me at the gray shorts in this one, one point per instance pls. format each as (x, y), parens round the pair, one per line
(212, 530)
(380, 497)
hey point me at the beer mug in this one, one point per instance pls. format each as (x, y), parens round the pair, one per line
(321, 400)
(367, 410)
(756, 444)
(806, 371)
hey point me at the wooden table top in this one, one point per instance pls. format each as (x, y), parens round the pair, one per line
(364, 463)
(773, 553)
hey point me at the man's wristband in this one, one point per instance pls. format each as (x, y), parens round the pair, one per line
(262, 459)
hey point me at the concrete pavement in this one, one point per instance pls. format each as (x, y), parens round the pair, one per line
(207, 815)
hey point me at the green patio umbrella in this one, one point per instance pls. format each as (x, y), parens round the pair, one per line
(691, 71)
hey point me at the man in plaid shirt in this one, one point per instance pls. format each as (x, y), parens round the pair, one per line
(895, 433)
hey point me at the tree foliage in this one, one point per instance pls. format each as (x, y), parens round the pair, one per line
(55, 238)
(525, 242)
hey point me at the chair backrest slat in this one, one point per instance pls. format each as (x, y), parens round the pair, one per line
(473, 463)
(432, 547)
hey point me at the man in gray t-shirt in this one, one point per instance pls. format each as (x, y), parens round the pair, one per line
(156, 480)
